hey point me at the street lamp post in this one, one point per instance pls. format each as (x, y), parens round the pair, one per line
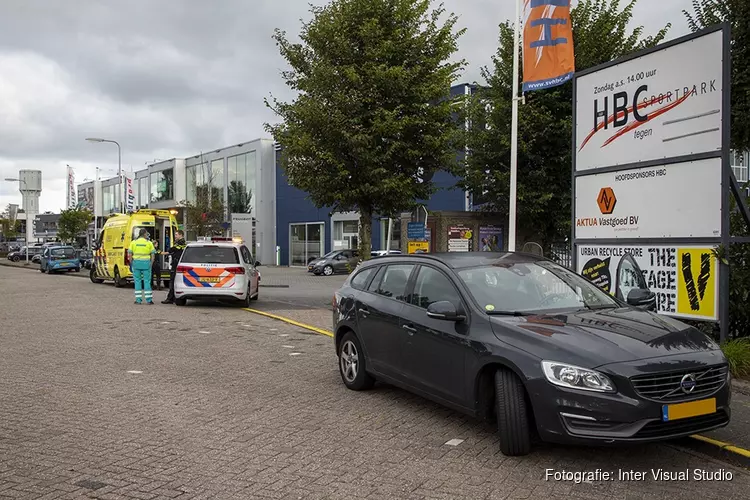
(119, 166)
(25, 211)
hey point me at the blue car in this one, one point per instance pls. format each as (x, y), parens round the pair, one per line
(59, 258)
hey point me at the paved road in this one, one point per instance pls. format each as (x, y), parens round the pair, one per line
(101, 398)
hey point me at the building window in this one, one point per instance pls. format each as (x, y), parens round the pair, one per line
(162, 186)
(143, 193)
(241, 171)
(345, 234)
(217, 177)
(109, 200)
(306, 242)
(395, 234)
(739, 161)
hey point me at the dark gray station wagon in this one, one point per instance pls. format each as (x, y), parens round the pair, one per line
(530, 345)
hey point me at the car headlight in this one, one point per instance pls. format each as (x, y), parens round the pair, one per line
(575, 377)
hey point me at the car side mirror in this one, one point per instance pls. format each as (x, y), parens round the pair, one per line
(445, 310)
(642, 299)
(257, 263)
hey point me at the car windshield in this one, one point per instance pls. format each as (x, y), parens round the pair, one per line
(330, 254)
(210, 254)
(63, 253)
(532, 287)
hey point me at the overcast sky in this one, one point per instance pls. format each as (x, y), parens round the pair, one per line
(168, 78)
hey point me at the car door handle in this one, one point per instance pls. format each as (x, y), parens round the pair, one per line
(410, 329)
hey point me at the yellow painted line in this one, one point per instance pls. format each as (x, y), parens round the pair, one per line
(291, 322)
(724, 446)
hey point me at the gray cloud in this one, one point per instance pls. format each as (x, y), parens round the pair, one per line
(167, 78)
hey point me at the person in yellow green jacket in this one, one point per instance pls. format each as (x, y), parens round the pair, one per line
(141, 253)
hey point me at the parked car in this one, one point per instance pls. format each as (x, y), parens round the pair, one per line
(533, 346)
(21, 253)
(59, 258)
(338, 261)
(85, 256)
(380, 253)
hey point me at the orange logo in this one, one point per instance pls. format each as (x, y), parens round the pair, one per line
(606, 200)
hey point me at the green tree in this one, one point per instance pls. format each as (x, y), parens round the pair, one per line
(72, 223)
(371, 122)
(601, 33)
(737, 14)
(240, 200)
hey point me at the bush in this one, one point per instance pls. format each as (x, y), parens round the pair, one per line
(737, 352)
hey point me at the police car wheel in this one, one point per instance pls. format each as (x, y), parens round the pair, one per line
(180, 302)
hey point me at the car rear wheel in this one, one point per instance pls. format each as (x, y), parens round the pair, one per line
(328, 270)
(352, 364)
(512, 414)
(42, 270)
(180, 302)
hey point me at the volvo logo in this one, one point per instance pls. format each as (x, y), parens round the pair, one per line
(688, 383)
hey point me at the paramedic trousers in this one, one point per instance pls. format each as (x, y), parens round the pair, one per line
(142, 280)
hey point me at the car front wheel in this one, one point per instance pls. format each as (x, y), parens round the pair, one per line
(352, 364)
(328, 270)
(512, 414)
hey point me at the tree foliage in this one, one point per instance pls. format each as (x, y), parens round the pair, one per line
(206, 214)
(72, 223)
(601, 33)
(737, 13)
(240, 200)
(371, 122)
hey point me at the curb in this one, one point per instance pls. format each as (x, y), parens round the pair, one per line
(722, 445)
(35, 267)
(291, 322)
(741, 386)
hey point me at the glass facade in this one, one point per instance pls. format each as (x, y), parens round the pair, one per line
(162, 186)
(305, 242)
(345, 234)
(241, 170)
(109, 200)
(395, 234)
(739, 161)
(216, 178)
(143, 193)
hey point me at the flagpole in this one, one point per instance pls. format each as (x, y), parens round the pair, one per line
(514, 134)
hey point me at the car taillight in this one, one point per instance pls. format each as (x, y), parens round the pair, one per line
(127, 259)
(235, 270)
(184, 269)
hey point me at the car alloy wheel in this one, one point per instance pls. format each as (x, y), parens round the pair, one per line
(328, 270)
(352, 364)
(349, 361)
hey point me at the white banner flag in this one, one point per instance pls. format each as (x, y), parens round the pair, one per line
(129, 195)
(71, 199)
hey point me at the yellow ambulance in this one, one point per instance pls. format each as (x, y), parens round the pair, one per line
(110, 262)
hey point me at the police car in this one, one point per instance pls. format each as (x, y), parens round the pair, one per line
(218, 269)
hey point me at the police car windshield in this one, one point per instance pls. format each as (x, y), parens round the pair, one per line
(210, 254)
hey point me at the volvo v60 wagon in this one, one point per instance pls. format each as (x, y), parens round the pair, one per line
(523, 342)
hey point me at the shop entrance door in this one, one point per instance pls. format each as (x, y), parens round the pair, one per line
(306, 242)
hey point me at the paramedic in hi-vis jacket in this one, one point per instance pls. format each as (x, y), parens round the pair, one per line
(141, 252)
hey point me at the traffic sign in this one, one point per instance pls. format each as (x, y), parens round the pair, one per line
(415, 230)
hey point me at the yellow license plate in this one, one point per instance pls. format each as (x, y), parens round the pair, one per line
(211, 280)
(687, 410)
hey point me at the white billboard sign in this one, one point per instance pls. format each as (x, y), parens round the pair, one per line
(661, 105)
(685, 278)
(671, 201)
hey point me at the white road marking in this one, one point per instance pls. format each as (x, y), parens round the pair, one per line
(283, 335)
(454, 442)
(295, 353)
(288, 346)
(274, 329)
(134, 371)
(203, 331)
